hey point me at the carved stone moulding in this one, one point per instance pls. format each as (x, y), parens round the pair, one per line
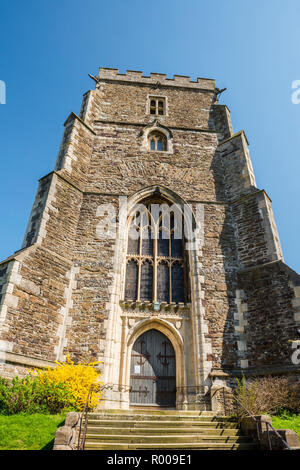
(136, 305)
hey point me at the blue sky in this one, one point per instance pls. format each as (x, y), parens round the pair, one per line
(47, 49)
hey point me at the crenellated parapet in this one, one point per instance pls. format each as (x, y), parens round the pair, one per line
(156, 78)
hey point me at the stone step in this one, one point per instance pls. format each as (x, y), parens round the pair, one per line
(158, 423)
(151, 439)
(161, 431)
(164, 429)
(168, 417)
(156, 411)
(91, 445)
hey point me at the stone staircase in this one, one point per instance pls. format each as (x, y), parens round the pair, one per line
(163, 429)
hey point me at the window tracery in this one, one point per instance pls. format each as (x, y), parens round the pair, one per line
(156, 268)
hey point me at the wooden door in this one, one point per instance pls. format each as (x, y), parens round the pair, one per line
(152, 371)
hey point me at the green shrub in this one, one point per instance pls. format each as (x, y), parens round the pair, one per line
(5, 394)
(30, 395)
(287, 420)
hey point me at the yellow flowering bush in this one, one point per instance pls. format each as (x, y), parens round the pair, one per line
(79, 378)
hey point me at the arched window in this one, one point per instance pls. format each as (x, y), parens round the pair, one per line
(157, 269)
(157, 141)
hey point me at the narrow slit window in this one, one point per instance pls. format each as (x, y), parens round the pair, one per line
(160, 107)
(153, 107)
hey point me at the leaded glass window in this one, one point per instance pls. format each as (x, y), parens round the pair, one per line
(156, 262)
(163, 282)
(131, 287)
(157, 141)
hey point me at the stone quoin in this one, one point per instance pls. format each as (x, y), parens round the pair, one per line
(171, 324)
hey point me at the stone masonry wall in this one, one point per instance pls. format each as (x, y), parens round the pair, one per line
(37, 215)
(75, 151)
(94, 258)
(237, 166)
(59, 231)
(219, 270)
(32, 320)
(271, 325)
(120, 165)
(222, 121)
(3, 279)
(127, 103)
(257, 240)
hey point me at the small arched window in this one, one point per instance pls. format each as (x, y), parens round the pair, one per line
(157, 141)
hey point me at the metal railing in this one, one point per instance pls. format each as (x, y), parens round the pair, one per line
(84, 417)
(257, 422)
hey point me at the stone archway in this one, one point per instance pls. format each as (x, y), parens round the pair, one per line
(174, 337)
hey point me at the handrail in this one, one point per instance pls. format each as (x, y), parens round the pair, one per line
(257, 424)
(84, 414)
(277, 434)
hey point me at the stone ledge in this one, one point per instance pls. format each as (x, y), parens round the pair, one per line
(290, 437)
(255, 192)
(141, 124)
(74, 116)
(255, 371)
(255, 429)
(259, 431)
(20, 254)
(237, 134)
(28, 361)
(164, 306)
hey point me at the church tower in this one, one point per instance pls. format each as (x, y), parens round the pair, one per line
(150, 248)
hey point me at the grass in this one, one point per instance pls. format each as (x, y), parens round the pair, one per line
(287, 421)
(29, 432)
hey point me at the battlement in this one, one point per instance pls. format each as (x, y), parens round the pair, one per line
(137, 76)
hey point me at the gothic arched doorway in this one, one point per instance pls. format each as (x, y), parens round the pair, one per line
(153, 370)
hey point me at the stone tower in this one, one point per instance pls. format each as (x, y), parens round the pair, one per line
(219, 298)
